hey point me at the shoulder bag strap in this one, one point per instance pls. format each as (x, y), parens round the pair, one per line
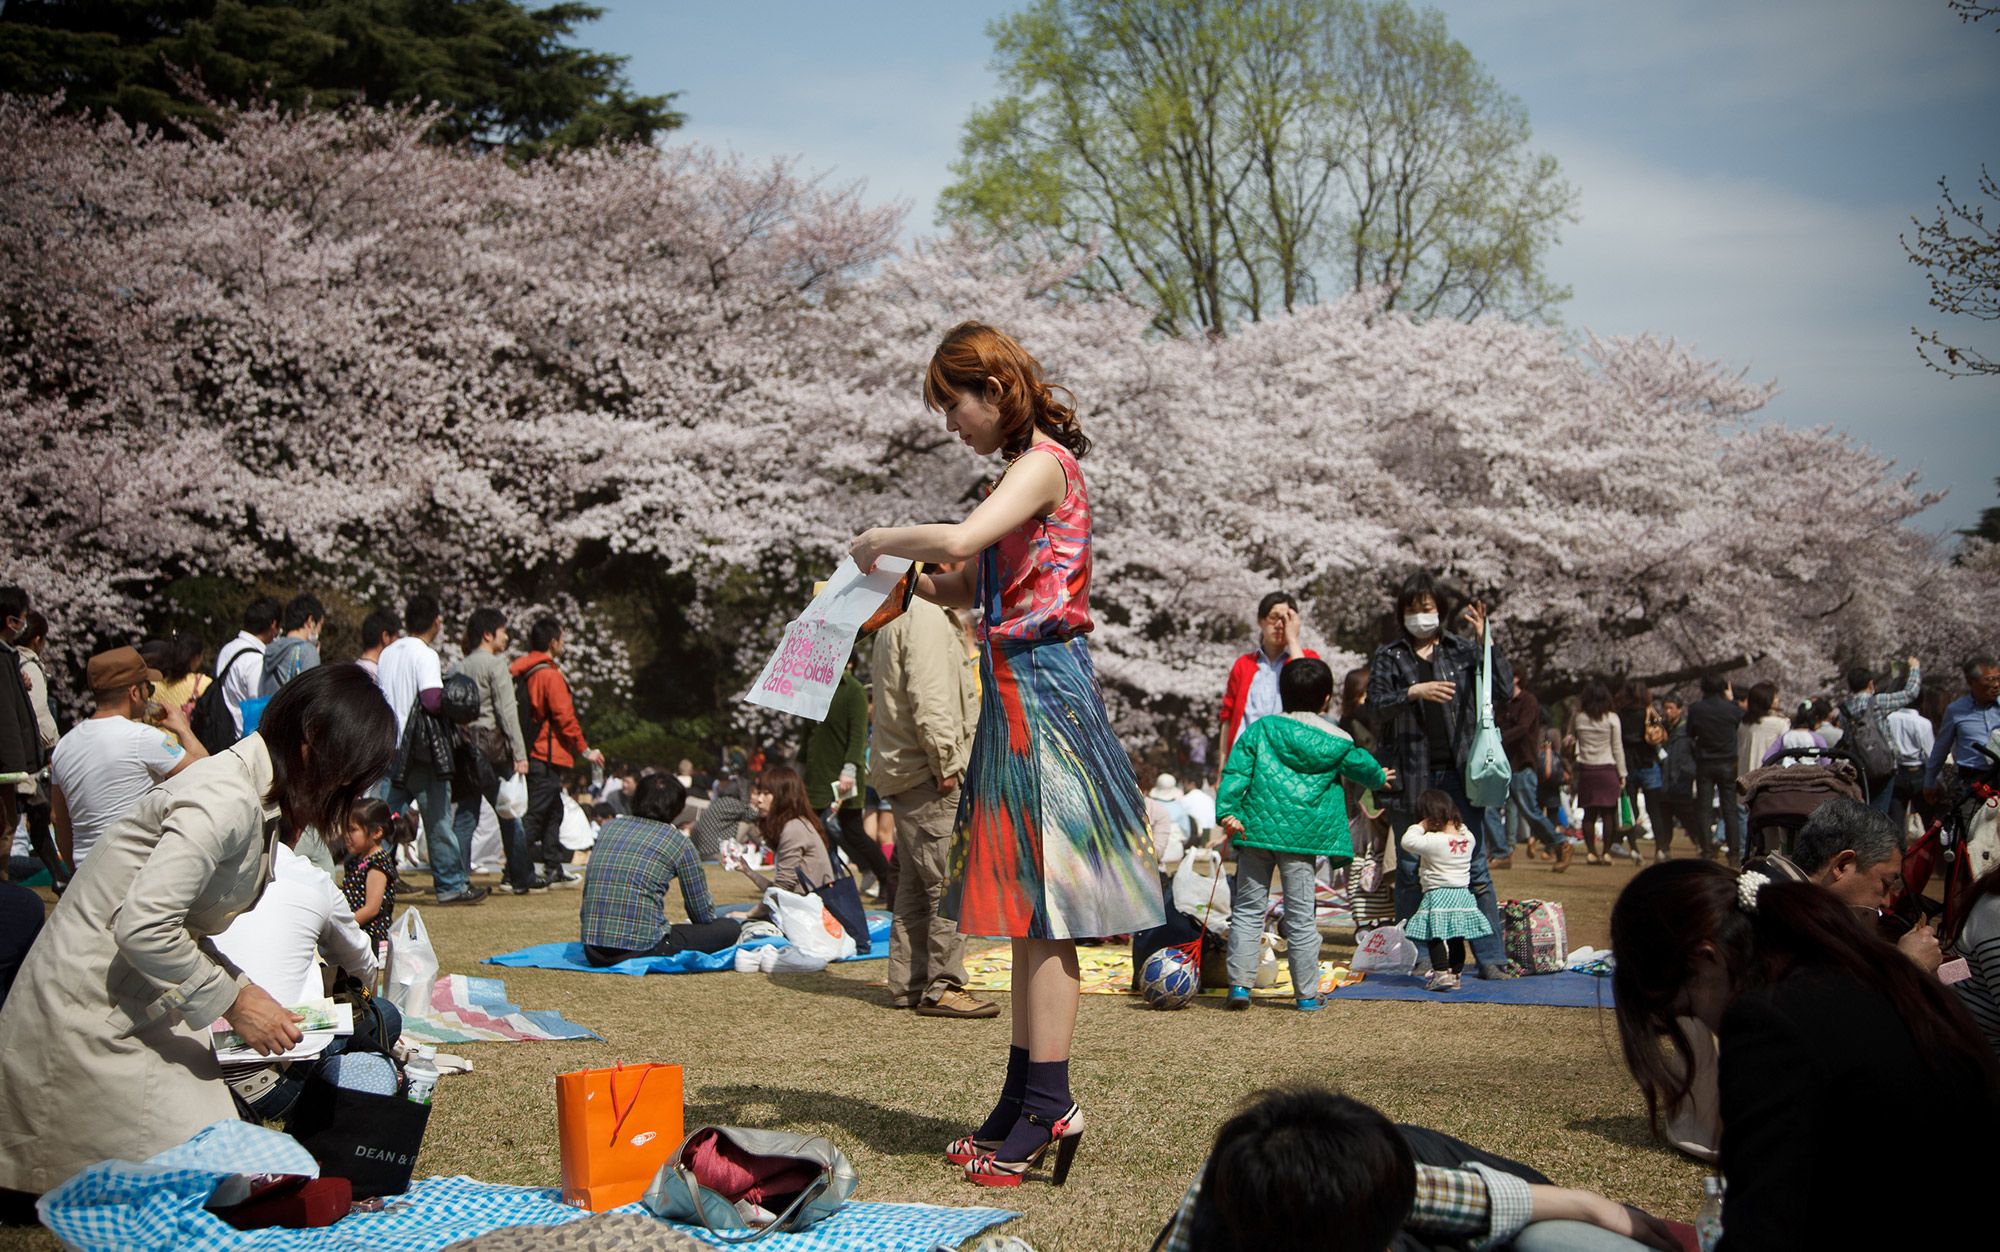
(813, 1191)
(1484, 691)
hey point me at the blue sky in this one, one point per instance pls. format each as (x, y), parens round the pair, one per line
(1744, 169)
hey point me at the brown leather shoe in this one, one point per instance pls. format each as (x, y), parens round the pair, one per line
(1501, 862)
(957, 1002)
(1563, 854)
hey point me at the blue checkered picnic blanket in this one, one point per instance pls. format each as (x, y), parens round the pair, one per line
(156, 1206)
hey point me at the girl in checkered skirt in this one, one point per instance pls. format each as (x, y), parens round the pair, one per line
(1448, 915)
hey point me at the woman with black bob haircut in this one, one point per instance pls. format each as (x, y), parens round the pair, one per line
(104, 1041)
(1835, 1051)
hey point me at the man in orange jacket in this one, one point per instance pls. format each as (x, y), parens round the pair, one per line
(555, 739)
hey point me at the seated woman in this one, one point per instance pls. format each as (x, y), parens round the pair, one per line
(1830, 1040)
(104, 1042)
(797, 839)
(636, 858)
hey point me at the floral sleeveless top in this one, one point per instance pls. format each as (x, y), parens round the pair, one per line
(1034, 583)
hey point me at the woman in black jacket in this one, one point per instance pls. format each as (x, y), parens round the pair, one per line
(1421, 686)
(1837, 1053)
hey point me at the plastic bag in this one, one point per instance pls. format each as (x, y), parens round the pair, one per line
(807, 925)
(413, 965)
(1203, 896)
(512, 798)
(1385, 950)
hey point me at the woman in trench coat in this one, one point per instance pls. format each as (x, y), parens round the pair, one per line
(104, 1041)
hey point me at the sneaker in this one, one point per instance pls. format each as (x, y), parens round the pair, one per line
(535, 886)
(1310, 1004)
(471, 895)
(1434, 981)
(561, 877)
(958, 1002)
(1447, 981)
(1239, 998)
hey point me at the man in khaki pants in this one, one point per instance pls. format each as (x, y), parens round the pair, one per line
(926, 687)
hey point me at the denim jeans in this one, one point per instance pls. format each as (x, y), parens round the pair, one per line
(1525, 810)
(278, 1100)
(1300, 927)
(1882, 794)
(478, 782)
(432, 793)
(1497, 842)
(1487, 949)
(1565, 1236)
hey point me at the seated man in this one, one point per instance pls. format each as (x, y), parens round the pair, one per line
(301, 916)
(635, 860)
(1303, 1168)
(1857, 854)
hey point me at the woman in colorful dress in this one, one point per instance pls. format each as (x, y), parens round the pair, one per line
(1051, 843)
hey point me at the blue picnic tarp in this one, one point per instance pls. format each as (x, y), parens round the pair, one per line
(156, 1206)
(570, 955)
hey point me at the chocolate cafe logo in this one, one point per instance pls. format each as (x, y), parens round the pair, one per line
(807, 655)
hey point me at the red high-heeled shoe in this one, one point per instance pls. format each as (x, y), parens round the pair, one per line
(1065, 1133)
(965, 1147)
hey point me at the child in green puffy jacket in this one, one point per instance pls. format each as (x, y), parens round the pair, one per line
(1282, 805)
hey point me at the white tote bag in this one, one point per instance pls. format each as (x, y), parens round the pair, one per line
(413, 965)
(807, 925)
(1385, 950)
(1201, 890)
(512, 798)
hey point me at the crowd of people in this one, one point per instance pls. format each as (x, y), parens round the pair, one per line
(228, 840)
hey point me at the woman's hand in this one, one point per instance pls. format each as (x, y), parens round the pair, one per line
(1435, 692)
(866, 548)
(1230, 826)
(1475, 618)
(1568, 1204)
(266, 1025)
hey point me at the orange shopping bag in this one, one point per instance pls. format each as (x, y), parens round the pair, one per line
(617, 1127)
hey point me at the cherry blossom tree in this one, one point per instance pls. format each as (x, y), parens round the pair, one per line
(314, 347)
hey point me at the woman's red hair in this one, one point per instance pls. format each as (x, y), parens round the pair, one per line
(976, 359)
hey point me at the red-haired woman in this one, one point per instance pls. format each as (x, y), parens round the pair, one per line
(1052, 844)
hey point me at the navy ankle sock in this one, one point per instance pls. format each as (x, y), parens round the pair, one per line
(1048, 1098)
(1012, 1088)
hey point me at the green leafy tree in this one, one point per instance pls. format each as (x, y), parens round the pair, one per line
(505, 75)
(1233, 159)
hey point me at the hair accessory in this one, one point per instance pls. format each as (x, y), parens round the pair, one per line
(1748, 884)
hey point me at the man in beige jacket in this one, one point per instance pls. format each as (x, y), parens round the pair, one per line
(926, 688)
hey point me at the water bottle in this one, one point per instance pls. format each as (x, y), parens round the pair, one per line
(423, 1077)
(1708, 1223)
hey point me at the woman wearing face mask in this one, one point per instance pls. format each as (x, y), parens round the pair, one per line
(1420, 693)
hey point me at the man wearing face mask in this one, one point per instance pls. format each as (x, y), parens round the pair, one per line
(1421, 689)
(1253, 681)
(297, 649)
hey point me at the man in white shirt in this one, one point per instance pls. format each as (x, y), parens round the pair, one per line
(1200, 806)
(411, 677)
(1910, 734)
(243, 681)
(300, 916)
(103, 765)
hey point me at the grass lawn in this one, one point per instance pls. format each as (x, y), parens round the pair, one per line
(822, 1053)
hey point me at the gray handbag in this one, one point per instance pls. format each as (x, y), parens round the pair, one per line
(677, 1195)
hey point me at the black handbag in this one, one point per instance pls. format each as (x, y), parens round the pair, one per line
(370, 1140)
(428, 740)
(841, 896)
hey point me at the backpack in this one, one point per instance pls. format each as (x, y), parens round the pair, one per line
(459, 701)
(524, 707)
(212, 723)
(1868, 743)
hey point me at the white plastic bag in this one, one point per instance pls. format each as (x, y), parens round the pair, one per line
(1385, 950)
(1201, 895)
(512, 798)
(413, 965)
(807, 925)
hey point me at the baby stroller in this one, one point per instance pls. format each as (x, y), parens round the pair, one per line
(1960, 844)
(1783, 794)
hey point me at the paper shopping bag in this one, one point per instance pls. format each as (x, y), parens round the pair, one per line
(616, 1128)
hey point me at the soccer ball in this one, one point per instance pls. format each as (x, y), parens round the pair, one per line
(1168, 980)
